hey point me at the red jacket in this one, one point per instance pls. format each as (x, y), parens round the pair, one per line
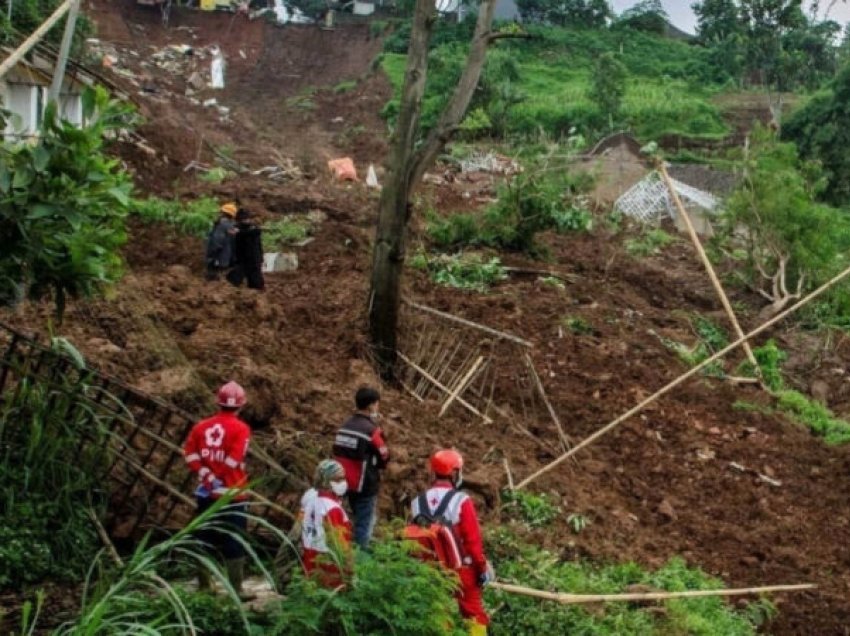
(215, 450)
(464, 519)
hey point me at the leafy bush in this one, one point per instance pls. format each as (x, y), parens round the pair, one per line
(461, 271)
(650, 243)
(711, 339)
(457, 230)
(47, 485)
(63, 206)
(392, 593)
(522, 616)
(769, 357)
(194, 218)
(286, 231)
(577, 325)
(814, 415)
(534, 510)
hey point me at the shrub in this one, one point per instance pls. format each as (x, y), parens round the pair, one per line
(649, 243)
(194, 218)
(286, 231)
(577, 325)
(392, 593)
(534, 510)
(64, 203)
(462, 271)
(769, 357)
(814, 415)
(457, 230)
(523, 616)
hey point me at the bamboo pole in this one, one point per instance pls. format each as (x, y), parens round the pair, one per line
(565, 441)
(709, 268)
(574, 599)
(443, 388)
(18, 54)
(460, 386)
(54, 93)
(469, 323)
(682, 378)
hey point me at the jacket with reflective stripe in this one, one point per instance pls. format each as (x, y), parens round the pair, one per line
(215, 450)
(360, 447)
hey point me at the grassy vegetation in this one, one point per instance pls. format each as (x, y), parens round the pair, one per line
(668, 90)
(649, 243)
(286, 231)
(462, 271)
(194, 218)
(526, 565)
(534, 510)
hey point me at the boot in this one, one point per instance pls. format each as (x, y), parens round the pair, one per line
(236, 574)
(475, 628)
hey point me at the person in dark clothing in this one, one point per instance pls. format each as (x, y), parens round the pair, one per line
(220, 242)
(247, 253)
(360, 448)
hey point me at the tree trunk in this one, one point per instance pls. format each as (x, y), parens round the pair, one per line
(394, 209)
(406, 169)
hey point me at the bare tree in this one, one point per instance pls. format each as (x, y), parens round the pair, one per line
(407, 165)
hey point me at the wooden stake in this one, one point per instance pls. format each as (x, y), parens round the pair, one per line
(508, 472)
(709, 268)
(574, 599)
(682, 378)
(469, 323)
(440, 386)
(460, 386)
(104, 537)
(565, 441)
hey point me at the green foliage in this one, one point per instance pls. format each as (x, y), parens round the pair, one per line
(47, 485)
(215, 175)
(345, 86)
(393, 593)
(28, 15)
(286, 231)
(577, 325)
(535, 511)
(544, 83)
(527, 565)
(769, 358)
(711, 339)
(587, 14)
(814, 415)
(577, 522)
(821, 130)
(608, 85)
(785, 226)
(63, 207)
(528, 203)
(646, 15)
(649, 243)
(194, 218)
(462, 270)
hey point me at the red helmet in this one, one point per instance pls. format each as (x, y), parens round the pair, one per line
(231, 396)
(445, 462)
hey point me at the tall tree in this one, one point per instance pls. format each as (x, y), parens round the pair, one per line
(717, 20)
(609, 86)
(646, 15)
(408, 163)
(586, 14)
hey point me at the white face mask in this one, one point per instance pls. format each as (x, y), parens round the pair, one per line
(339, 488)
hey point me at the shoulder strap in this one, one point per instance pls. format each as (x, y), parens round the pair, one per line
(423, 505)
(440, 512)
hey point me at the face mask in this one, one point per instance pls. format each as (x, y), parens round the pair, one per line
(374, 416)
(339, 488)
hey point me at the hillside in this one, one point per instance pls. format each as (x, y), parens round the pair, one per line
(664, 484)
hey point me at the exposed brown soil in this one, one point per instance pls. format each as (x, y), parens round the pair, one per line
(659, 486)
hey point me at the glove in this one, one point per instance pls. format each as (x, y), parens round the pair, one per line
(487, 576)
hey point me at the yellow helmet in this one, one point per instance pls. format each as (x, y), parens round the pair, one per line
(229, 209)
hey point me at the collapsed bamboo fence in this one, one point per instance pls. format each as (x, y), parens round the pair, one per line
(150, 486)
(576, 599)
(18, 54)
(681, 379)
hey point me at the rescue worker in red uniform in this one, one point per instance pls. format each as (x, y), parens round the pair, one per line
(476, 572)
(215, 451)
(325, 528)
(360, 447)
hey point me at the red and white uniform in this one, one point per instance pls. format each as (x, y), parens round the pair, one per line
(216, 450)
(464, 519)
(322, 515)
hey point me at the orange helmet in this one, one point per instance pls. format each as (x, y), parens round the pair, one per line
(231, 395)
(230, 209)
(445, 462)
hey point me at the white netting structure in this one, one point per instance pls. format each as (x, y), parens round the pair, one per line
(649, 200)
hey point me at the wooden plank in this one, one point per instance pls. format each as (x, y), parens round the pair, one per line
(468, 323)
(460, 386)
(565, 441)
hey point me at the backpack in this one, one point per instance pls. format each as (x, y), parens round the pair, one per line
(434, 534)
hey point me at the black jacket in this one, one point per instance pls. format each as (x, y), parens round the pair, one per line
(220, 244)
(248, 246)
